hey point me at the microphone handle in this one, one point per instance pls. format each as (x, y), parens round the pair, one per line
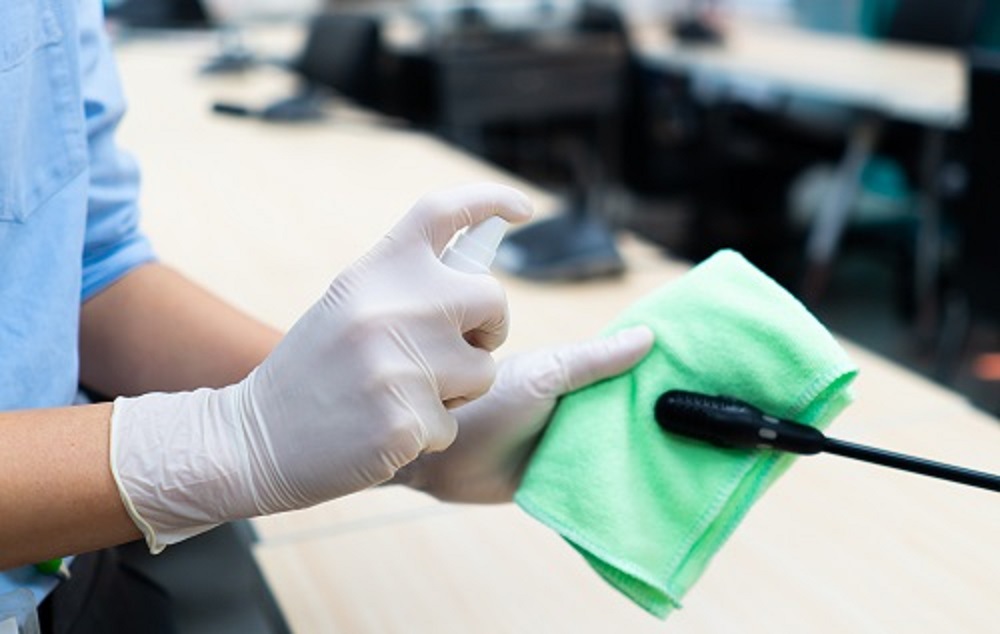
(913, 464)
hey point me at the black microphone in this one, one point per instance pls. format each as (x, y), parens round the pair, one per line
(730, 422)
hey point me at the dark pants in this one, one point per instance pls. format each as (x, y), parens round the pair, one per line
(209, 584)
(104, 594)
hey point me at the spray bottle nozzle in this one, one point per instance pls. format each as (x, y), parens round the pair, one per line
(473, 250)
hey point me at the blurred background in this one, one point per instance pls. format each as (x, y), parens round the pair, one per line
(844, 146)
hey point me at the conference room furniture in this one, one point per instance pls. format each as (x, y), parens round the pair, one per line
(972, 296)
(878, 80)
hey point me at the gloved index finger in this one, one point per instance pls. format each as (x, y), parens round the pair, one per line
(438, 216)
(598, 359)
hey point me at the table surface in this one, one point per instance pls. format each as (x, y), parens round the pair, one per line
(917, 83)
(266, 214)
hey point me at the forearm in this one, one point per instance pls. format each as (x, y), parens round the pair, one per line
(151, 331)
(155, 330)
(58, 495)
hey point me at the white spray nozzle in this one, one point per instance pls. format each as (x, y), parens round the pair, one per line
(473, 250)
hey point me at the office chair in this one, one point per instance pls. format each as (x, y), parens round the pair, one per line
(975, 293)
(922, 150)
(340, 56)
(918, 149)
(936, 23)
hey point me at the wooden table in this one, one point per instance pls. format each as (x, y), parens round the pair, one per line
(265, 215)
(917, 83)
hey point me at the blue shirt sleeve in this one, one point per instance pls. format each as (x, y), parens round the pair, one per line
(114, 243)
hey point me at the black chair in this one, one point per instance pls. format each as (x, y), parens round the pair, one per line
(949, 24)
(920, 151)
(935, 22)
(341, 53)
(981, 222)
(340, 57)
(974, 296)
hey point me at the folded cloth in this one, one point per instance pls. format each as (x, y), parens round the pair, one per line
(646, 509)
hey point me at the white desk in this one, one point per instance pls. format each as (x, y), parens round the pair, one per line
(920, 84)
(879, 79)
(265, 215)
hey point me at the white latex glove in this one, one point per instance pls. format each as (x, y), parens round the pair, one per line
(359, 387)
(498, 432)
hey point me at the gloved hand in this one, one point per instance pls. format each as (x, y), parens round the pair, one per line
(498, 432)
(359, 387)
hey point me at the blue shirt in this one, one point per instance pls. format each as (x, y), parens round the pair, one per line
(68, 211)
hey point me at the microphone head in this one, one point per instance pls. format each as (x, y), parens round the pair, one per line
(730, 422)
(720, 420)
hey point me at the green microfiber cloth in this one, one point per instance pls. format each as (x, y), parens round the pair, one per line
(646, 509)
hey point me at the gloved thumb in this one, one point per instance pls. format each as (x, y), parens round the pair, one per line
(581, 364)
(437, 216)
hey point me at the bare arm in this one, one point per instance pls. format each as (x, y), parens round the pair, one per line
(155, 330)
(57, 494)
(151, 331)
